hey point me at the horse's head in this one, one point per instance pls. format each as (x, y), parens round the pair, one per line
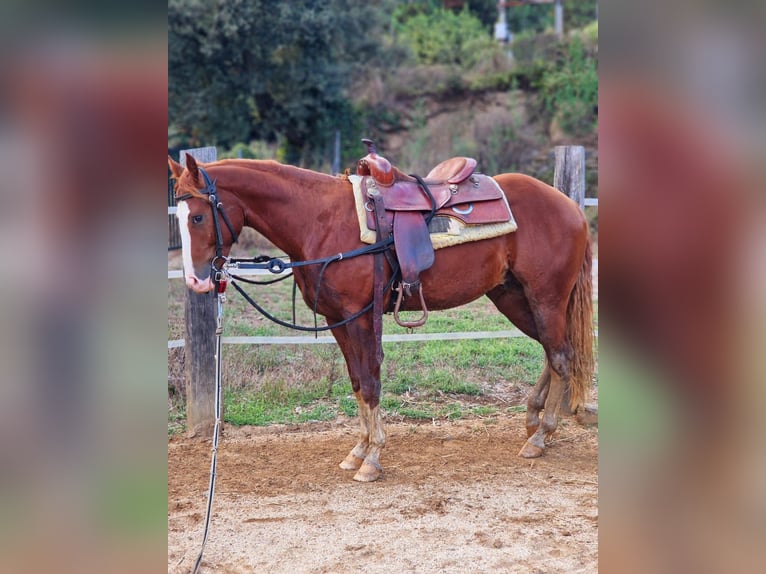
(209, 219)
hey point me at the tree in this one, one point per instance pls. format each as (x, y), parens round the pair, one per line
(251, 69)
(211, 61)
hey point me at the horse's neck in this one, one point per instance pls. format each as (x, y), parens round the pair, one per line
(286, 207)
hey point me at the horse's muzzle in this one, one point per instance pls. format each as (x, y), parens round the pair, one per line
(199, 285)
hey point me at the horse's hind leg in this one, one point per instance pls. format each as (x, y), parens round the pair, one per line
(511, 301)
(536, 399)
(559, 360)
(544, 318)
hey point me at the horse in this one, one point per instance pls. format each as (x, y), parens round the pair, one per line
(539, 276)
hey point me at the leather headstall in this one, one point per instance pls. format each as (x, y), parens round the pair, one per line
(216, 207)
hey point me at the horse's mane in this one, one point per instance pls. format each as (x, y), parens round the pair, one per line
(185, 185)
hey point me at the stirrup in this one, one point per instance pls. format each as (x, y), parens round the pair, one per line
(410, 324)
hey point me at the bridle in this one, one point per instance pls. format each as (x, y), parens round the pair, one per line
(216, 207)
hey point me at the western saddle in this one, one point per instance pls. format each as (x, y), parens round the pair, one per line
(409, 208)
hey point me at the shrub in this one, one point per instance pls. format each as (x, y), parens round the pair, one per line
(591, 32)
(570, 90)
(256, 149)
(444, 37)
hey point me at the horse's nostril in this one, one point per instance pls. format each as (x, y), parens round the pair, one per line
(198, 285)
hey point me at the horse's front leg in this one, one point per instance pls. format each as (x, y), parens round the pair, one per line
(371, 468)
(356, 457)
(358, 346)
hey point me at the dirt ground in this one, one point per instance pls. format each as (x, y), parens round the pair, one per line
(454, 498)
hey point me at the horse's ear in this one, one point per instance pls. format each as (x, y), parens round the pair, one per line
(175, 168)
(191, 165)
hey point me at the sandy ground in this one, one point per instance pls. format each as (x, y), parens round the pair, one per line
(454, 498)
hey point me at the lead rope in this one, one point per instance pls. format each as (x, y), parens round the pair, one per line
(221, 284)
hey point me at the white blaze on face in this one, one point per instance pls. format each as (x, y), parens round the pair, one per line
(182, 212)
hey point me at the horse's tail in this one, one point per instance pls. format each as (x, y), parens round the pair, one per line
(580, 331)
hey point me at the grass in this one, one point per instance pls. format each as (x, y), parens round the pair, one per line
(268, 384)
(242, 408)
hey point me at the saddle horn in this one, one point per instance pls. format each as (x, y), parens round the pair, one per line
(370, 145)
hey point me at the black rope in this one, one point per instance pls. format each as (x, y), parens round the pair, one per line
(295, 293)
(277, 265)
(316, 291)
(254, 282)
(314, 329)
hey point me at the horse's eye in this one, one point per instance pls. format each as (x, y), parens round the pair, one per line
(196, 219)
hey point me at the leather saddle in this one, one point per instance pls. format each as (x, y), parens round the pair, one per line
(400, 205)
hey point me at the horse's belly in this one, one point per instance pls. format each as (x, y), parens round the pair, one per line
(440, 301)
(456, 281)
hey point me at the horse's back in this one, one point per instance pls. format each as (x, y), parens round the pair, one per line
(537, 204)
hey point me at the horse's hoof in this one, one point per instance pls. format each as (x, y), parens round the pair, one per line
(368, 473)
(530, 451)
(351, 462)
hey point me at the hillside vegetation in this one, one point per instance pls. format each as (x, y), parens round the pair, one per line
(425, 82)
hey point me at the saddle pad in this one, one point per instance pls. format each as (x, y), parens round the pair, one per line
(456, 232)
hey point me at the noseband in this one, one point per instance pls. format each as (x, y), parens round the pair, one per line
(216, 207)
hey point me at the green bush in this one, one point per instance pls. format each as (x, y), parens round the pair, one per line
(444, 37)
(591, 32)
(256, 149)
(569, 90)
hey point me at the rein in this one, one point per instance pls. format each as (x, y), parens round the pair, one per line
(276, 265)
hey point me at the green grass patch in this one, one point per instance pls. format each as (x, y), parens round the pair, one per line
(390, 404)
(244, 408)
(348, 406)
(401, 386)
(415, 413)
(484, 410)
(451, 411)
(176, 420)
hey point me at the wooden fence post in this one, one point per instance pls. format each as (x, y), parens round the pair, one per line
(569, 178)
(199, 347)
(569, 172)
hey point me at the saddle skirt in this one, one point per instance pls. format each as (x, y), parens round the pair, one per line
(471, 210)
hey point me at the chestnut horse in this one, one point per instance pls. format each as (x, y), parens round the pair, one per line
(539, 276)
